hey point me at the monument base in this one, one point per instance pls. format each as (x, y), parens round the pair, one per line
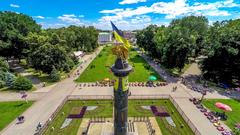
(107, 127)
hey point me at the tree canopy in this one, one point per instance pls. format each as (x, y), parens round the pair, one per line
(44, 49)
(223, 43)
(13, 28)
(191, 36)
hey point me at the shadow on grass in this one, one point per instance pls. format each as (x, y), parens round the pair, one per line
(137, 59)
(21, 104)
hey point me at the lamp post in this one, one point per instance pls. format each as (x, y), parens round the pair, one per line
(204, 93)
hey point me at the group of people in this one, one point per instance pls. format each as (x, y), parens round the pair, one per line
(132, 84)
(190, 82)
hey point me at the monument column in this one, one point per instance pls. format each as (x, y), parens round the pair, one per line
(121, 70)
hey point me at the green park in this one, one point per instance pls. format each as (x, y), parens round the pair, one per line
(99, 69)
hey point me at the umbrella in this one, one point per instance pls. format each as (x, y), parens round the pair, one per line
(152, 78)
(223, 107)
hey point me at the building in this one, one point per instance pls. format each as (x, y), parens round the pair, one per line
(79, 54)
(130, 36)
(104, 37)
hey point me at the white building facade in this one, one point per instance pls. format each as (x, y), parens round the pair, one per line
(104, 37)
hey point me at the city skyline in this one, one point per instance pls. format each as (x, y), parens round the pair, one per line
(127, 14)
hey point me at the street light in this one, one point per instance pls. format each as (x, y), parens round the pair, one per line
(204, 93)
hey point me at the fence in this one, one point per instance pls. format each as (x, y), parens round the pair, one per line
(187, 120)
(110, 97)
(90, 97)
(44, 127)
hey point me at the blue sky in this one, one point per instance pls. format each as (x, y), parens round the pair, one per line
(127, 14)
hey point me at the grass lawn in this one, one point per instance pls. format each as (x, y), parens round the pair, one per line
(99, 68)
(233, 117)
(11, 110)
(105, 109)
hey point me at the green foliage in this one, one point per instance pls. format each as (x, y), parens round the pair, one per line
(223, 63)
(3, 65)
(172, 45)
(22, 83)
(2, 84)
(2, 75)
(55, 75)
(22, 37)
(236, 131)
(9, 79)
(49, 56)
(13, 28)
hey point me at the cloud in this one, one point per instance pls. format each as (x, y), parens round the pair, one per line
(131, 1)
(70, 19)
(112, 11)
(39, 17)
(14, 6)
(173, 9)
(216, 13)
(46, 25)
(133, 23)
(141, 19)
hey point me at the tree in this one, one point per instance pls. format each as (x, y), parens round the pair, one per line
(13, 28)
(22, 83)
(55, 75)
(222, 63)
(9, 78)
(2, 84)
(145, 40)
(172, 45)
(3, 65)
(49, 56)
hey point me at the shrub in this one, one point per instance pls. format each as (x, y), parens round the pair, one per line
(9, 78)
(22, 83)
(3, 65)
(55, 75)
(2, 75)
(2, 84)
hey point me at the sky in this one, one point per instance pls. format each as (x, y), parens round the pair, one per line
(126, 14)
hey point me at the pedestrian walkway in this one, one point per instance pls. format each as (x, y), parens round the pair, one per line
(12, 96)
(204, 126)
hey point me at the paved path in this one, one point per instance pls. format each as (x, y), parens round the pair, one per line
(42, 109)
(11, 96)
(197, 118)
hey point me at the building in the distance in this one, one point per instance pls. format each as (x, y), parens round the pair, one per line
(104, 37)
(130, 36)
